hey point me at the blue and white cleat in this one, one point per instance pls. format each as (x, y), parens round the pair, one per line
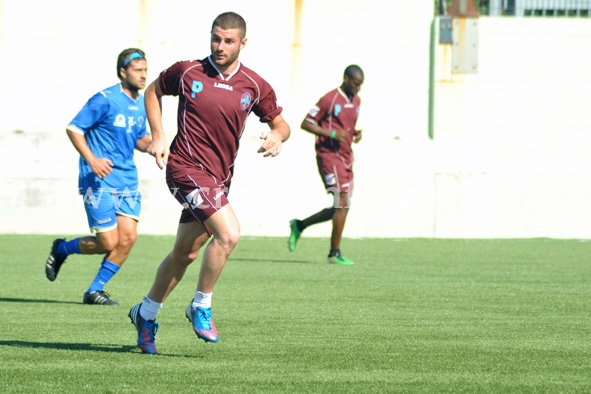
(146, 330)
(202, 322)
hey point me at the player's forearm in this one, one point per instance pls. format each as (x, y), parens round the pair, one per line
(143, 144)
(315, 129)
(81, 146)
(280, 127)
(283, 130)
(153, 105)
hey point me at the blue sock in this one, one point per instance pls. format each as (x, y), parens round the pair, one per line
(67, 248)
(105, 273)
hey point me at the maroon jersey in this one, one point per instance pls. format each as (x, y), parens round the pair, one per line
(333, 111)
(212, 114)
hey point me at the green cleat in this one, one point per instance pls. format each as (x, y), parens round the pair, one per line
(340, 260)
(295, 234)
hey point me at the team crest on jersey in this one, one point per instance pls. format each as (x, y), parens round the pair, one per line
(245, 101)
(119, 121)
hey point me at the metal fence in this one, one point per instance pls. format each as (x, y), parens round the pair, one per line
(541, 8)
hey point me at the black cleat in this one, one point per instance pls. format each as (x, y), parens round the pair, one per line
(99, 298)
(54, 261)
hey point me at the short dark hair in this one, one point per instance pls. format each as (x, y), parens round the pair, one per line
(353, 71)
(126, 56)
(230, 20)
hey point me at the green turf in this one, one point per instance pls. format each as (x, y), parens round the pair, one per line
(412, 316)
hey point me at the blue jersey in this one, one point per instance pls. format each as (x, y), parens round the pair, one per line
(112, 123)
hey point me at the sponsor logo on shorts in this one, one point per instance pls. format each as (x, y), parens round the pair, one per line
(195, 198)
(330, 179)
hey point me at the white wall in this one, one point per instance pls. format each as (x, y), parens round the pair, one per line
(513, 138)
(508, 158)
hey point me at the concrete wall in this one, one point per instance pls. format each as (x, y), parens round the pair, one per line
(513, 139)
(508, 158)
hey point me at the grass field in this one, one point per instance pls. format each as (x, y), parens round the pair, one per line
(412, 316)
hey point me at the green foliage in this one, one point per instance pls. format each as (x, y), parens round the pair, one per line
(411, 316)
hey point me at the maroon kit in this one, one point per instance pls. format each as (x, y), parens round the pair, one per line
(202, 154)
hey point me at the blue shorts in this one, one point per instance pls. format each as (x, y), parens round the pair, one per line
(102, 207)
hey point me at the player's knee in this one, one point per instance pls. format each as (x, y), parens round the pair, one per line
(127, 241)
(184, 257)
(107, 241)
(107, 245)
(233, 240)
(229, 239)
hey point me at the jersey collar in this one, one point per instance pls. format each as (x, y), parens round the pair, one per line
(220, 73)
(342, 93)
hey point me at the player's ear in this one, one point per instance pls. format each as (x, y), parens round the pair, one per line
(243, 43)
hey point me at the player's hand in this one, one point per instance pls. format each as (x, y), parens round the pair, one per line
(341, 135)
(101, 167)
(357, 134)
(272, 144)
(159, 149)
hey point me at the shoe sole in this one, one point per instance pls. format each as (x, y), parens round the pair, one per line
(335, 263)
(91, 302)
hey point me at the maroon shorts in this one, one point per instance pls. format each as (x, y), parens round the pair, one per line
(337, 176)
(198, 193)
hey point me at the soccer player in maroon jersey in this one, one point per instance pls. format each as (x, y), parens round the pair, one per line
(333, 120)
(216, 94)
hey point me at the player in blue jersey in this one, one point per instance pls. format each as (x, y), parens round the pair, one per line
(106, 132)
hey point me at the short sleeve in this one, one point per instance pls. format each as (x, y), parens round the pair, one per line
(93, 112)
(267, 109)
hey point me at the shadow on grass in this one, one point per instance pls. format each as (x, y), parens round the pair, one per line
(71, 346)
(25, 300)
(107, 348)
